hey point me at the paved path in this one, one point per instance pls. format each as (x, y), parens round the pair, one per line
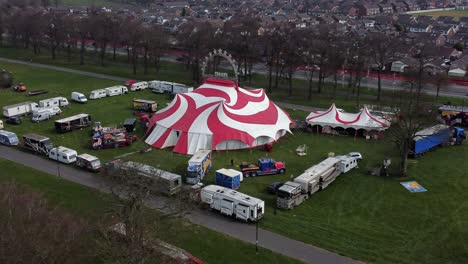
(245, 232)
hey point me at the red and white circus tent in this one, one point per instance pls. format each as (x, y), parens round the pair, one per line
(337, 118)
(219, 116)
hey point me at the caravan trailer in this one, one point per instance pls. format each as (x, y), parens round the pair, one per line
(138, 86)
(8, 138)
(19, 109)
(63, 154)
(233, 203)
(38, 144)
(56, 101)
(116, 90)
(72, 122)
(319, 176)
(97, 94)
(160, 86)
(88, 162)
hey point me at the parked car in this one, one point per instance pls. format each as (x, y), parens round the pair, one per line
(13, 120)
(274, 186)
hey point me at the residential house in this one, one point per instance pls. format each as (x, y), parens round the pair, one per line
(458, 68)
(399, 7)
(386, 8)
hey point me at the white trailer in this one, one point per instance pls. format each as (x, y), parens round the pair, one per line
(319, 176)
(63, 154)
(347, 163)
(233, 203)
(88, 162)
(160, 86)
(97, 94)
(138, 86)
(56, 101)
(19, 109)
(116, 90)
(181, 88)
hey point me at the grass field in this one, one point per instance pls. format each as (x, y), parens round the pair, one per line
(368, 218)
(203, 243)
(106, 3)
(452, 13)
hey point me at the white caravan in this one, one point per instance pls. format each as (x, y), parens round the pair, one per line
(19, 109)
(319, 176)
(56, 101)
(139, 86)
(347, 163)
(63, 154)
(97, 94)
(181, 88)
(116, 90)
(88, 162)
(160, 86)
(41, 114)
(78, 97)
(233, 203)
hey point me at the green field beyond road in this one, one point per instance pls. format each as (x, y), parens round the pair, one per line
(453, 13)
(372, 219)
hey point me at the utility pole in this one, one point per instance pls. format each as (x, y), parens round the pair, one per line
(256, 237)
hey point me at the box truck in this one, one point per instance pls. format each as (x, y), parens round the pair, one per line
(63, 154)
(41, 114)
(233, 203)
(88, 162)
(8, 138)
(116, 90)
(78, 97)
(198, 166)
(138, 86)
(19, 109)
(37, 143)
(72, 122)
(56, 101)
(97, 94)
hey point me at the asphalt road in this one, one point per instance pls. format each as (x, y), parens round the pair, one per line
(212, 220)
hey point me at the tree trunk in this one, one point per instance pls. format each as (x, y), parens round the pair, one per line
(277, 70)
(103, 53)
(270, 77)
(68, 51)
(379, 83)
(358, 92)
(311, 80)
(335, 84)
(290, 75)
(82, 51)
(404, 160)
(145, 62)
(134, 61)
(114, 47)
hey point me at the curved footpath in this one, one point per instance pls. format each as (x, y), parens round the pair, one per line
(269, 240)
(242, 231)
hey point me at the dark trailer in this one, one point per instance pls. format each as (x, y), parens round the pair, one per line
(37, 143)
(72, 122)
(129, 124)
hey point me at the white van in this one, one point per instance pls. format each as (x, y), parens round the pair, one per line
(56, 101)
(41, 114)
(139, 86)
(78, 97)
(97, 94)
(63, 154)
(116, 90)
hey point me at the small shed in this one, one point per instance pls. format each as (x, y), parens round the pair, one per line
(228, 178)
(129, 124)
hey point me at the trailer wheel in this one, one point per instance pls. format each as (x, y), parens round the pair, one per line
(254, 174)
(246, 175)
(282, 171)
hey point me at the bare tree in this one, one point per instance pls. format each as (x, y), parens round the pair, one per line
(55, 31)
(34, 232)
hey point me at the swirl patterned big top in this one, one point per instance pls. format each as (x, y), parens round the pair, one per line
(219, 116)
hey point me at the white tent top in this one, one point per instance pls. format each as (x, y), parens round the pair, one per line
(335, 118)
(217, 115)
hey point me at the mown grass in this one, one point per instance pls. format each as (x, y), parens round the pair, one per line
(94, 206)
(369, 218)
(453, 13)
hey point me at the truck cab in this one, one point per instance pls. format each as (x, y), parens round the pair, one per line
(458, 135)
(289, 195)
(265, 166)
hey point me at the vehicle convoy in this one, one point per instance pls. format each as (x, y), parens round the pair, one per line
(38, 144)
(78, 97)
(20, 109)
(435, 136)
(56, 101)
(88, 162)
(8, 138)
(265, 166)
(156, 180)
(233, 203)
(116, 90)
(41, 114)
(109, 137)
(198, 166)
(63, 154)
(145, 105)
(72, 122)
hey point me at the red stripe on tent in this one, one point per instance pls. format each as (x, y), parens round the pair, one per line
(221, 132)
(164, 114)
(182, 143)
(221, 82)
(268, 116)
(162, 139)
(375, 119)
(322, 114)
(337, 117)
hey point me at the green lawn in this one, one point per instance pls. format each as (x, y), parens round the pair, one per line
(453, 13)
(203, 243)
(368, 218)
(106, 3)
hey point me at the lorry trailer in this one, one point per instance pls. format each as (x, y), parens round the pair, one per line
(145, 105)
(319, 176)
(72, 122)
(198, 166)
(435, 136)
(37, 143)
(233, 203)
(19, 109)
